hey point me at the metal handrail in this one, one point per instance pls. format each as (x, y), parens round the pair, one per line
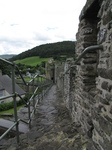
(21, 98)
(86, 50)
(5, 133)
(32, 96)
(15, 94)
(5, 97)
(20, 75)
(6, 61)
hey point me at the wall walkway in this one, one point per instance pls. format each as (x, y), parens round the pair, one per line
(52, 128)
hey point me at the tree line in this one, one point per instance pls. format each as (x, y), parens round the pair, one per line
(54, 50)
(49, 50)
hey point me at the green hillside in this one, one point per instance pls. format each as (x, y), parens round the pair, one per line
(49, 50)
(32, 61)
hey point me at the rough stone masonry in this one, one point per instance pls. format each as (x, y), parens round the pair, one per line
(88, 88)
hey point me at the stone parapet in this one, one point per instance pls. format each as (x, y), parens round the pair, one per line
(88, 86)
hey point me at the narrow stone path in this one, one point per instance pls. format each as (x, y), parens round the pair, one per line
(52, 128)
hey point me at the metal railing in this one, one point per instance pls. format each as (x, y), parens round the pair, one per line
(86, 50)
(37, 82)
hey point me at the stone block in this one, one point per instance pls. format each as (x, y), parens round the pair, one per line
(108, 118)
(105, 85)
(101, 37)
(89, 60)
(87, 31)
(108, 97)
(88, 67)
(88, 81)
(106, 6)
(105, 125)
(111, 109)
(105, 73)
(103, 100)
(96, 146)
(106, 145)
(110, 25)
(89, 38)
(100, 108)
(87, 44)
(107, 17)
(105, 55)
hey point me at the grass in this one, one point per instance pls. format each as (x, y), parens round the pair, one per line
(32, 61)
(10, 111)
(27, 79)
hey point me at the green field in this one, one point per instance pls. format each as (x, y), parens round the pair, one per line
(32, 61)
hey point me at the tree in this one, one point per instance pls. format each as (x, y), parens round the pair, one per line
(5, 68)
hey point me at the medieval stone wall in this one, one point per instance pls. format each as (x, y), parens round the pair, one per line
(49, 69)
(102, 113)
(68, 78)
(59, 69)
(88, 86)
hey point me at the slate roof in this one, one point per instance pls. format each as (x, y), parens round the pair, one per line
(6, 84)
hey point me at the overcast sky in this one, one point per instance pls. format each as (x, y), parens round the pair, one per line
(25, 24)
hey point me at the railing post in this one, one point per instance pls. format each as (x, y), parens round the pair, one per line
(14, 101)
(42, 93)
(34, 96)
(29, 116)
(38, 80)
(63, 86)
(41, 78)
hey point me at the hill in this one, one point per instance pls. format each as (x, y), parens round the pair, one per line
(32, 61)
(49, 50)
(7, 56)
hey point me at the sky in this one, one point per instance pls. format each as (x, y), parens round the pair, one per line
(25, 24)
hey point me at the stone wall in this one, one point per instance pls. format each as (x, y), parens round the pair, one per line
(50, 71)
(88, 87)
(68, 83)
(102, 113)
(59, 69)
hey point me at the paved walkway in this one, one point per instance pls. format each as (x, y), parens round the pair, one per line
(52, 128)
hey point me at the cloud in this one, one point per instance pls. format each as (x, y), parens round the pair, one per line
(51, 28)
(25, 24)
(13, 24)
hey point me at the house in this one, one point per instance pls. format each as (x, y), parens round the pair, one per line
(6, 88)
(28, 74)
